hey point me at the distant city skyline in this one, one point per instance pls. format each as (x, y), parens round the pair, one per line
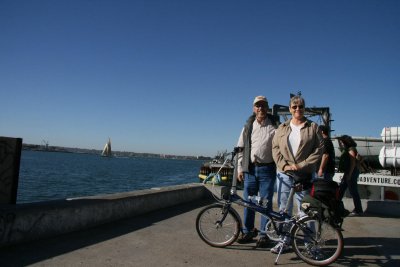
(179, 77)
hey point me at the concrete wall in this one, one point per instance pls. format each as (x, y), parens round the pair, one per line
(25, 222)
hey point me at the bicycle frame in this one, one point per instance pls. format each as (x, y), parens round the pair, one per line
(275, 217)
(234, 198)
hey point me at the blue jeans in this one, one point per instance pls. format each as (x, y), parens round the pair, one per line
(261, 181)
(283, 187)
(353, 189)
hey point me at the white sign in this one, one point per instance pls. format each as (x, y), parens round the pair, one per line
(373, 179)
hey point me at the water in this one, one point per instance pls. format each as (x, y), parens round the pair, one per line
(49, 175)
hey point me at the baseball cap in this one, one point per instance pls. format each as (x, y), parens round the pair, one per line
(259, 99)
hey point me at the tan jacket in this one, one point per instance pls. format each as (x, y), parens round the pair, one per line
(310, 148)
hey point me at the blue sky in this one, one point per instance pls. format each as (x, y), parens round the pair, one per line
(179, 76)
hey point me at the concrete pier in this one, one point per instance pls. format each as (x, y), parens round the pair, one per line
(157, 227)
(167, 237)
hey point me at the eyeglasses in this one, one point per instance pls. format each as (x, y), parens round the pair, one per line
(260, 105)
(299, 107)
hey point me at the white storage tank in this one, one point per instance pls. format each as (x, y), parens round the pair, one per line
(390, 157)
(391, 134)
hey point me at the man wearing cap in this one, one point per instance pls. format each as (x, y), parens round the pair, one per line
(256, 165)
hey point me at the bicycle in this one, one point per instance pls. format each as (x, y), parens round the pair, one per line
(314, 240)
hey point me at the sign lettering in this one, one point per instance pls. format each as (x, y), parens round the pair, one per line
(373, 179)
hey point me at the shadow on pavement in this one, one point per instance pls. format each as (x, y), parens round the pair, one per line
(39, 250)
(367, 251)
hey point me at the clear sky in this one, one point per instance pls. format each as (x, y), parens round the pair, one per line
(179, 76)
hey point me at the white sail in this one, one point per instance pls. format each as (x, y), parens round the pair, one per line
(107, 149)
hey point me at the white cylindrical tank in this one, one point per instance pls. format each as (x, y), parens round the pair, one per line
(389, 157)
(391, 134)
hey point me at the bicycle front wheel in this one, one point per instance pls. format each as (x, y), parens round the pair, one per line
(217, 226)
(316, 242)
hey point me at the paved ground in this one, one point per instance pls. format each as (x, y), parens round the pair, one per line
(169, 238)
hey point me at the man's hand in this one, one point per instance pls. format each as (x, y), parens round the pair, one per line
(240, 177)
(293, 167)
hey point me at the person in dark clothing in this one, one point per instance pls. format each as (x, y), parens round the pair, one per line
(349, 165)
(327, 163)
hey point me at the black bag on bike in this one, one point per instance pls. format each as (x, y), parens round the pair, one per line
(325, 190)
(328, 193)
(334, 211)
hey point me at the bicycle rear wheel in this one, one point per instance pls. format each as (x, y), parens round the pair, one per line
(214, 229)
(316, 242)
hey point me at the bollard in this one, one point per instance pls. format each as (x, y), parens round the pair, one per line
(10, 157)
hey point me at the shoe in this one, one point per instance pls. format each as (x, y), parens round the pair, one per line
(281, 245)
(247, 237)
(355, 213)
(262, 242)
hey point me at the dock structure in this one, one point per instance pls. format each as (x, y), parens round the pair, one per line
(164, 234)
(10, 157)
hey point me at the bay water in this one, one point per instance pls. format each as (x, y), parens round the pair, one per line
(56, 175)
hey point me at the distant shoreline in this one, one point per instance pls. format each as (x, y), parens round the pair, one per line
(43, 148)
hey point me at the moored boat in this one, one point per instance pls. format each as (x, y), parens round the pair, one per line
(226, 173)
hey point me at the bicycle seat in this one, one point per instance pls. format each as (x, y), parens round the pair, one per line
(301, 178)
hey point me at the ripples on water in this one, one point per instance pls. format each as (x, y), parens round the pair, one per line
(50, 175)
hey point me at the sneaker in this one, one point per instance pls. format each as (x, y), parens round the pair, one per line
(355, 213)
(281, 245)
(247, 237)
(262, 242)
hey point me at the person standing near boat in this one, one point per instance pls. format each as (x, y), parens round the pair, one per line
(348, 164)
(297, 146)
(327, 163)
(256, 167)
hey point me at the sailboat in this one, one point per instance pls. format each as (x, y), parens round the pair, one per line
(107, 149)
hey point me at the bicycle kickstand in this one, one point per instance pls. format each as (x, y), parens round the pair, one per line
(277, 257)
